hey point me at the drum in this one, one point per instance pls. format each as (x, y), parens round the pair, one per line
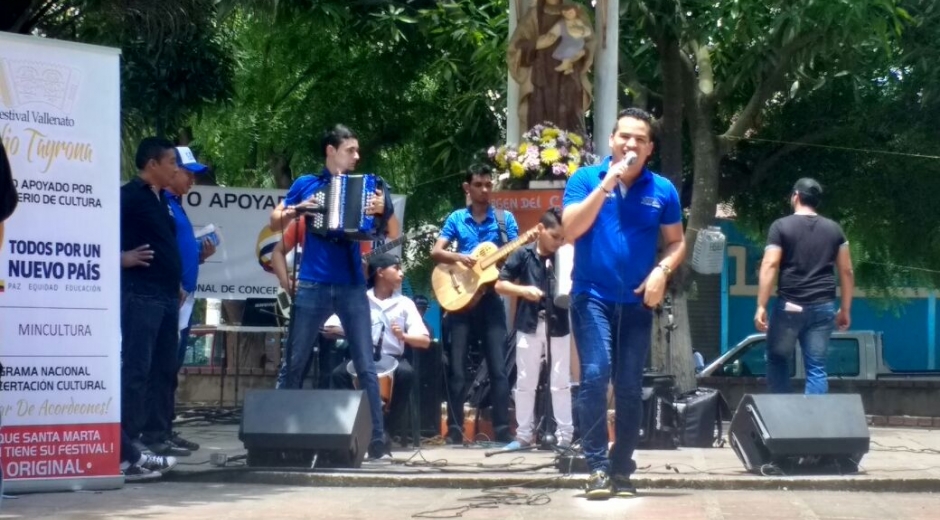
(385, 370)
(564, 262)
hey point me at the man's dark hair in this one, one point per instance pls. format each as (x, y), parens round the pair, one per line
(335, 136)
(635, 113)
(809, 191)
(551, 219)
(151, 148)
(477, 170)
(8, 197)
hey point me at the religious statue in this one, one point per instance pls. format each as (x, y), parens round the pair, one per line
(573, 33)
(549, 55)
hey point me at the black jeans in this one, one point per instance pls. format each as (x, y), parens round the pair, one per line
(486, 321)
(129, 453)
(403, 378)
(149, 347)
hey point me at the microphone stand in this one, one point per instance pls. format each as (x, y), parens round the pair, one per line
(548, 439)
(288, 352)
(377, 349)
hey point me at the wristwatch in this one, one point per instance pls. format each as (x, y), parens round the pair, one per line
(666, 269)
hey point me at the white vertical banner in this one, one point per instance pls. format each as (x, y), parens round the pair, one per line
(60, 333)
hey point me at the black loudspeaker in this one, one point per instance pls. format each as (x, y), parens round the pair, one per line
(288, 428)
(784, 434)
(430, 378)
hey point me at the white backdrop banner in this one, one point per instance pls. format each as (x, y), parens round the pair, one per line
(241, 266)
(60, 310)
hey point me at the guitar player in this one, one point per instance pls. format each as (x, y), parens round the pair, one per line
(468, 227)
(331, 279)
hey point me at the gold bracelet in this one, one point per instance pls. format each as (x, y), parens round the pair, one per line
(666, 269)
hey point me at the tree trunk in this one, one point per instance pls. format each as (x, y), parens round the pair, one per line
(670, 124)
(679, 342)
(672, 340)
(279, 164)
(679, 361)
(707, 156)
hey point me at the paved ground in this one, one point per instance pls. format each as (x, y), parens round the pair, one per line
(899, 460)
(238, 501)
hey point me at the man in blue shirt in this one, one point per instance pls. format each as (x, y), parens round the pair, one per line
(615, 213)
(470, 227)
(331, 280)
(192, 253)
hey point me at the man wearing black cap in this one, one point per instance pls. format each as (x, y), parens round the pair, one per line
(804, 248)
(396, 323)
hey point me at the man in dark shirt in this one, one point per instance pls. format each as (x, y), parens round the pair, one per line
(150, 295)
(527, 275)
(804, 247)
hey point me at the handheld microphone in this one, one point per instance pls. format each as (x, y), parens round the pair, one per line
(377, 354)
(631, 158)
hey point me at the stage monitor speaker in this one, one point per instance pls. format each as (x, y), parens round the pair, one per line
(288, 428)
(784, 434)
(430, 378)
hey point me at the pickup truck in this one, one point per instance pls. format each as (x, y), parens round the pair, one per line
(852, 355)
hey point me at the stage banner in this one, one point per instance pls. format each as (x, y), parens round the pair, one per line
(241, 267)
(60, 329)
(527, 206)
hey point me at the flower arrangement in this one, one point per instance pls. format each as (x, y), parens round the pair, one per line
(546, 153)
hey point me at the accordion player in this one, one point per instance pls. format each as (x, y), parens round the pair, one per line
(341, 209)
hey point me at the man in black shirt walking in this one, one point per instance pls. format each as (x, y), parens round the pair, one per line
(804, 247)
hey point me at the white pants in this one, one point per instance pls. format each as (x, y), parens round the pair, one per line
(529, 351)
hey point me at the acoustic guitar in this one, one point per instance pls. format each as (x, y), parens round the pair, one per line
(285, 300)
(457, 286)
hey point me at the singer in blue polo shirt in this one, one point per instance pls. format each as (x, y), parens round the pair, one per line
(331, 280)
(615, 213)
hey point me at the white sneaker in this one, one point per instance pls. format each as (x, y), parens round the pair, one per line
(156, 463)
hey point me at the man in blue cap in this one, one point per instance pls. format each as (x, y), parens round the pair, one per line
(158, 434)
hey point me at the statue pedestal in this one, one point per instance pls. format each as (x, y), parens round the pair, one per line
(543, 184)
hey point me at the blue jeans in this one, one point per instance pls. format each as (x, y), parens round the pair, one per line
(613, 341)
(149, 345)
(813, 327)
(313, 304)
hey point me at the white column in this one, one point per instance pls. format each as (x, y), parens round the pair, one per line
(513, 133)
(606, 22)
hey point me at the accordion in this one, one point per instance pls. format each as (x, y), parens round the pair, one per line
(341, 209)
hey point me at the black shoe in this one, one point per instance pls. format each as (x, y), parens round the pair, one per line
(168, 449)
(183, 443)
(504, 438)
(598, 486)
(379, 450)
(454, 437)
(622, 487)
(135, 473)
